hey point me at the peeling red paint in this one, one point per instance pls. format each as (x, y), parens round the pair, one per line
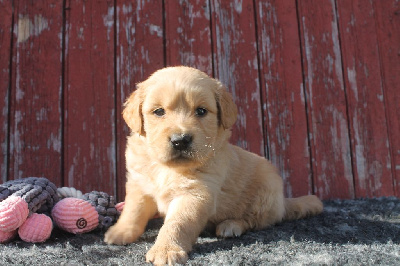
(316, 83)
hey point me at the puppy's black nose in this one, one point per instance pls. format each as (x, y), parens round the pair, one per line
(181, 142)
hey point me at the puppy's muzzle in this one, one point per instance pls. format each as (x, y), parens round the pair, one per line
(181, 142)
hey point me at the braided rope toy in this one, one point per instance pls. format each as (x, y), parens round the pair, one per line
(21, 201)
(97, 210)
(27, 204)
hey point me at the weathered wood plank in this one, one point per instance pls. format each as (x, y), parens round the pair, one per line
(5, 81)
(283, 94)
(326, 102)
(236, 65)
(188, 34)
(366, 109)
(387, 15)
(139, 53)
(90, 145)
(35, 128)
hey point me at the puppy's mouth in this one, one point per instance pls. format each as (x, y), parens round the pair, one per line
(179, 159)
(181, 156)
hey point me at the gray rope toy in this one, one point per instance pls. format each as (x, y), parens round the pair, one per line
(38, 192)
(27, 205)
(26, 199)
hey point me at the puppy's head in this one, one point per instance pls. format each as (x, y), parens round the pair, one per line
(182, 113)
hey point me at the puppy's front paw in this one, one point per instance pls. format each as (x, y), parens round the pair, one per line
(166, 254)
(120, 235)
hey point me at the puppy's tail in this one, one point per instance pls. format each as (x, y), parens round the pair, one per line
(301, 207)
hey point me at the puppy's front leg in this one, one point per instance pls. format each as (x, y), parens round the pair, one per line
(138, 210)
(186, 218)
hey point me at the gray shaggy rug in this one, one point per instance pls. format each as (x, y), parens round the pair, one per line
(351, 232)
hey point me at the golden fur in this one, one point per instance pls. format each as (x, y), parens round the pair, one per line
(200, 181)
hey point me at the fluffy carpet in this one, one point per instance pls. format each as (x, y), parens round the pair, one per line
(352, 232)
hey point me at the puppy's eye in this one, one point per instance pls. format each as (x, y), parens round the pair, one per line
(159, 112)
(200, 112)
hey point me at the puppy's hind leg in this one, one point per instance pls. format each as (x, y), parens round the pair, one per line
(138, 210)
(301, 207)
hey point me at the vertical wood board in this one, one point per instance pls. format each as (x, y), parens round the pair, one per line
(326, 101)
(387, 16)
(283, 94)
(5, 81)
(35, 128)
(236, 65)
(139, 53)
(366, 106)
(90, 145)
(188, 35)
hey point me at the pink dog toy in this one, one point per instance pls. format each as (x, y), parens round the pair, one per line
(19, 201)
(37, 228)
(22, 201)
(75, 215)
(78, 213)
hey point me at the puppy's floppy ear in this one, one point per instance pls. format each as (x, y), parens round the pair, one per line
(132, 113)
(227, 110)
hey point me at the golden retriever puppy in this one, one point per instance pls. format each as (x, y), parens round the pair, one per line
(181, 165)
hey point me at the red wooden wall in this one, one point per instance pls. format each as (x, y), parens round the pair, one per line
(316, 83)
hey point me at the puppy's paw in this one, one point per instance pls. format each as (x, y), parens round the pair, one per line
(120, 235)
(230, 228)
(166, 254)
(315, 205)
